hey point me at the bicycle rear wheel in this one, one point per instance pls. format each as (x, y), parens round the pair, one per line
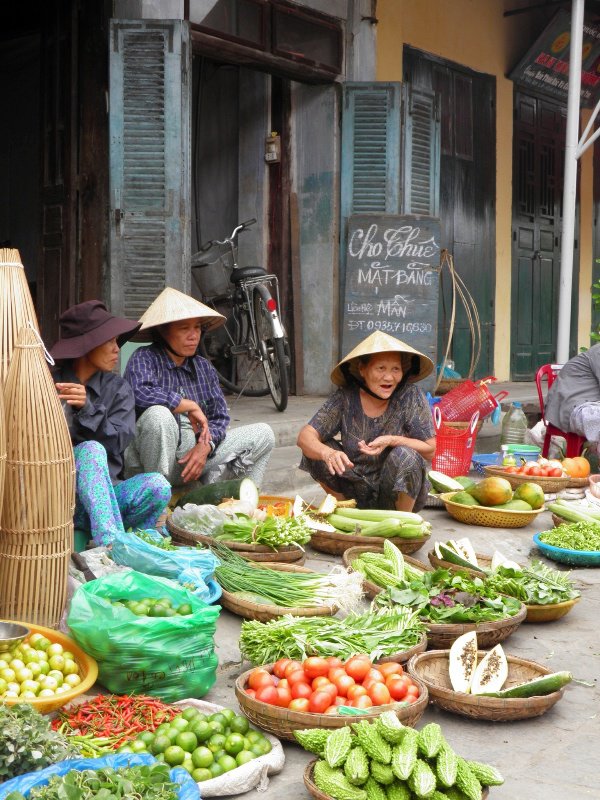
(274, 358)
(218, 346)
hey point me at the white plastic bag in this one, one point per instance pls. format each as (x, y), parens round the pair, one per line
(536, 436)
(253, 775)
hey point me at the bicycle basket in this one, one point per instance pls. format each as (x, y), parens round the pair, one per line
(211, 269)
(460, 403)
(453, 446)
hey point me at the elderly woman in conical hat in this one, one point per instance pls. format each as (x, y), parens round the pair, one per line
(99, 409)
(373, 438)
(182, 417)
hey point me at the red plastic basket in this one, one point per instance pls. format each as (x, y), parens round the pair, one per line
(459, 404)
(453, 446)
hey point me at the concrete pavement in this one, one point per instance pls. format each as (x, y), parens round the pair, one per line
(553, 756)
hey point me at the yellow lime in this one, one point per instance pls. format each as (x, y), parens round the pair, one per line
(201, 774)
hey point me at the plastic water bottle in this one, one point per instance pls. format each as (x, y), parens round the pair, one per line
(514, 425)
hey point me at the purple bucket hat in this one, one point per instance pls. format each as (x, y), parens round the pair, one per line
(88, 325)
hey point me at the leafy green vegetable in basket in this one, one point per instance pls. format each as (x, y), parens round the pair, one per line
(536, 585)
(578, 536)
(27, 743)
(275, 531)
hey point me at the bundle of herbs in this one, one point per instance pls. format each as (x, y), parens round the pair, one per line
(450, 597)
(535, 585)
(273, 531)
(381, 633)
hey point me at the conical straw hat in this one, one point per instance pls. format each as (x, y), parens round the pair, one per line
(16, 306)
(379, 342)
(172, 306)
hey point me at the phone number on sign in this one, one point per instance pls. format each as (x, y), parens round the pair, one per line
(388, 326)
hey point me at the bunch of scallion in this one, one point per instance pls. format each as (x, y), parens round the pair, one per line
(338, 588)
(379, 634)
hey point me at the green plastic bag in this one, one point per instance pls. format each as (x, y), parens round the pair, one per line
(170, 657)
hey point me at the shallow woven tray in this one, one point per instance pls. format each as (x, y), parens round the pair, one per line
(371, 589)
(432, 669)
(251, 552)
(547, 484)
(314, 790)
(550, 612)
(264, 612)
(441, 635)
(282, 722)
(434, 501)
(436, 563)
(337, 543)
(488, 517)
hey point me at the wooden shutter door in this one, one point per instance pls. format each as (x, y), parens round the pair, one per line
(149, 162)
(421, 152)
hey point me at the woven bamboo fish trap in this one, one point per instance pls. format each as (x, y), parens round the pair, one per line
(2, 446)
(16, 306)
(36, 530)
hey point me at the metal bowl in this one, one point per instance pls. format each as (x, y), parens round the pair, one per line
(11, 635)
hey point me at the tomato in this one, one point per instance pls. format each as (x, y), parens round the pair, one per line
(318, 702)
(358, 667)
(343, 683)
(297, 676)
(390, 668)
(397, 686)
(556, 472)
(356, 691)
(340, 701)
(301, 689)
(250, 692)
(299, 704)
(335, 672)
(375, 674)
(362, 702)
(413, 690)
(284, 695)
(279, 667)
(534, 471)
(334, 661)
(291, 667)
(411, 698)
(322, 680)
(315, 667)
(268, 694)
(330, 689)
(283, 684)
(511, 470)
(331, 710)
(260, 677)
(379, 694)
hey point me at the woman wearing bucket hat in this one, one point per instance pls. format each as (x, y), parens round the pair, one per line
(385, 426)
(100, 412)
(181, 430)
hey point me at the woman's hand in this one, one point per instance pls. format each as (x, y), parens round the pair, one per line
(337, 461)
(73, 394)
(195, 461)
(381, 443)
(199, 424)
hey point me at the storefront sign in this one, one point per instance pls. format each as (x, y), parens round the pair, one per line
(545, 67)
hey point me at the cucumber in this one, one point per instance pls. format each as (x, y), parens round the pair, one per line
(442, 483)
(214, 493)
(538, 686)
(448, 554)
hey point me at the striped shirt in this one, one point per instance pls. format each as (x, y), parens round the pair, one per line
(156, 380)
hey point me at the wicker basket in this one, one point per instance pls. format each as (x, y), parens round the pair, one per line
(547, 484)
(447, 384)
(282, 722)
(337, 543)
(36, 533)
(371, 589)
(488, 517)
(16, 306)
(2, 446)
(432, 669)
(442, 635)
(436, 563)
(264, 612)
(434, 501)
(550, 612)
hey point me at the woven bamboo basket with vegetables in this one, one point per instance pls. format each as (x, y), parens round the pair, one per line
(551, 611)
(488, 517)
(282, 722)
(441, 635)
(371, 589)
(485, 562)
(432, 669)
(16, 306)
(547, 484)
(355, 527)
(36, 533)
(337, 543)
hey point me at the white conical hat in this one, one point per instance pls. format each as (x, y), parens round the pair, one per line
(172, 306)
(380, 342)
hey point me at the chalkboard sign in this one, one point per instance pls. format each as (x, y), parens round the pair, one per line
(392, 281)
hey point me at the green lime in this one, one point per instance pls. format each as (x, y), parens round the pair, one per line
(202, 757)
(125, 749)
(147, 737)
(239, 724)
(265, 744)
(216, 727)
(170, 612)
(227, 762)
(228, 713)
(257, 750)
(219, 754)
(162, 728)
(216, 742)
(190, 713)
(138, 746)
(160, 744)
(158, 611)
(220, 718)
(187, 741)
(184, 609)
(160, 758)
(173, 733)
(202, 730)
(244, 757)
(252, 736)
(130, 604)
(188, 766)
(200, 775)
(180, 723)
(174, 755)
(216, 770)
(164, 601)
(234, 744)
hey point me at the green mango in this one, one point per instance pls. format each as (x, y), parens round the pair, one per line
(515, 505)
(464, 499)
(465, 481)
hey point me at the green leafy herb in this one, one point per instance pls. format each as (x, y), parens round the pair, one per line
(577, 536)
(536, 585)
(274, 531)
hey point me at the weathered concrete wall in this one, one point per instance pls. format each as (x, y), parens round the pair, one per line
(148, 9)
(316, 181)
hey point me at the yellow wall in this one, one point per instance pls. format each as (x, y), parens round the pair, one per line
(475, 33)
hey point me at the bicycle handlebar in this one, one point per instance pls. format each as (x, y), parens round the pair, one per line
(229, 239)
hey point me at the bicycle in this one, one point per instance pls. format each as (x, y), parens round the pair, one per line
(253, 334)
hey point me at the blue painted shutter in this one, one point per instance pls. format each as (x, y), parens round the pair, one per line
(149, 161)
(421, 152)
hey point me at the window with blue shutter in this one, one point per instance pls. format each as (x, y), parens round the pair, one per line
(149, 161)
(421, 152)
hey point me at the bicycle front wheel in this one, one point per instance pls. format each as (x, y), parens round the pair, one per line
(274, 361)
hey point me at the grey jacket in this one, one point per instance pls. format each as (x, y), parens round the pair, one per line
(578, 382)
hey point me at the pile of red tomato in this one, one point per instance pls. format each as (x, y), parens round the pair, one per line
(578, 467)
(320, 685)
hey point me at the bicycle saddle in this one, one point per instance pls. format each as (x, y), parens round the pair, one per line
(241, 273)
